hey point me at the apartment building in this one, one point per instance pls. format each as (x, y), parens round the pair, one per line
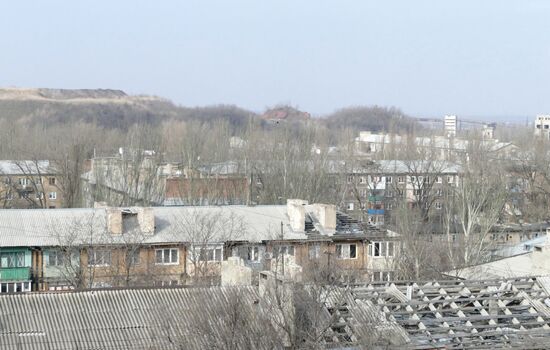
(147, 181)
(542, 126)
(28, 184)
(374, 189)
(118, 247)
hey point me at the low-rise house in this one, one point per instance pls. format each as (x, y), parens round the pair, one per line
(29, 184)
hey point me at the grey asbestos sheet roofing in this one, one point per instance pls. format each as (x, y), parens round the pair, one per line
(118, 319)
(43, 227)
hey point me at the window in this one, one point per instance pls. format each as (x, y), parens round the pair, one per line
(350, 179)
(362, 180)
(283, 249)
(211, 254)
(12, 259)
(52, 195)
(51, 181)
(134, 257)
(350, 206)
(314, 251)
(439, 192)
(346, 251)
(167, 256)
(389, 193)
(438, 179)
(39, 195)
(11, 287)
(438, 205)
(381, 249)
(382, 276)
(56, 258)
(427, 180)
(400, 179)
(413, 178)
(388, 179)
(99, 257)
(254, 253)
(450, 179)
(376, 179)
(23, 181)
(389, 206)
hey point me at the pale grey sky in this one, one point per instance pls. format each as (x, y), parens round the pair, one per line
(468, 57)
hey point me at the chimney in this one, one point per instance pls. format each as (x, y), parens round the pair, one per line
(114, 221)
(326, 215)
(296, 214)
(541, 254)
(146, 219)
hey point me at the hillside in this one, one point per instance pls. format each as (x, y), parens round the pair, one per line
(114, 109)
(107, 108)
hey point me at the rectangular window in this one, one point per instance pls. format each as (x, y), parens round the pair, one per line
(388, 179)
(314, 251)
(23, 181)
(51, 181)
(362, 180)
(56, 258)
(134, 257)
(12, 259)
(346, 251)
(438, 205)
(99, 257)
(413, 178)
(253, 253)
(350, 179)
(400, 179)
(389, 193)
(168, 256)
(283, 249)
(438, 179)
(52, 195)
(351, 206)
(39, 195)
(450, 179)
(381, 249)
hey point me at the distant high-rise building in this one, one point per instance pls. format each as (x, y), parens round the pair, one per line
(542, 125)
(450, 125)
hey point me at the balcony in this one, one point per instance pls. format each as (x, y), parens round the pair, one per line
(376, 198)
(375, 211)
(15, 274)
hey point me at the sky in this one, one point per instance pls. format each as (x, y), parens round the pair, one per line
(487, 59)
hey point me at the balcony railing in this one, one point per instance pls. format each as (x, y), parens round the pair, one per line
(15, 274)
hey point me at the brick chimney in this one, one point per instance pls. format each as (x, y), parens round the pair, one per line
(541, 254)
(296, 214)
(146, 219)
(326, 216)
(114, 220)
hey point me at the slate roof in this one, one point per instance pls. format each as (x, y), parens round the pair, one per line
(25, 167)
(118, 319)
(45, 227)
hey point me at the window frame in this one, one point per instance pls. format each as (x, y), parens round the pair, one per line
(345, 254)
(105, 252)
(170, 251)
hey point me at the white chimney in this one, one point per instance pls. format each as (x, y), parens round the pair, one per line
(146, 219)
(326, 215)
(114, 220)
(296, 212)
